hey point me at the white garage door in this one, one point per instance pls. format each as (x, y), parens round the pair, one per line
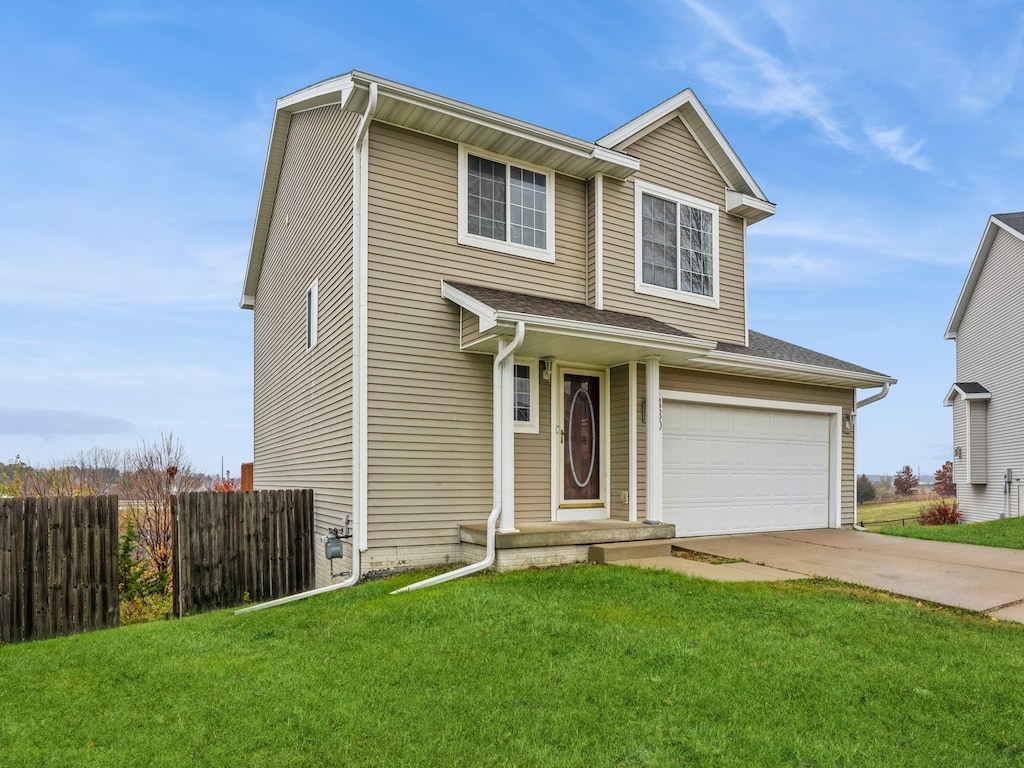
(738, 470)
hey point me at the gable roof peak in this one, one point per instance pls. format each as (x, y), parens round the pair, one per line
(688, 107)
(1011, 223)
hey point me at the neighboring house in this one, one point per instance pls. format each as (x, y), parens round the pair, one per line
(988, 396)
(456, 311)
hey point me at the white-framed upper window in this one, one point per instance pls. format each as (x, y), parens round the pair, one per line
(676, 246)
(312, 310)
(525, 390)
(506, 206)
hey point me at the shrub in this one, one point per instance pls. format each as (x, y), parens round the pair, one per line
(942, 512)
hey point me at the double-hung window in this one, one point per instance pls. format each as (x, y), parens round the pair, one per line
(505, 206)
(676, 246)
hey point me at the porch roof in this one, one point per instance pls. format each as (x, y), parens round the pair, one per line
(573, 331)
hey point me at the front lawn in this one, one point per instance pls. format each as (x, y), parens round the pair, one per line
(1008, 533)
(575, 666)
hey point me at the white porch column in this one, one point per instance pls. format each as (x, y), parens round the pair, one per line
(504, 441)
(652, 413)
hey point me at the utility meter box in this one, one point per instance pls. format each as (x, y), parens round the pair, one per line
(333, 546)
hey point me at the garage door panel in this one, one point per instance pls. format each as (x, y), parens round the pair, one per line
(733, 469)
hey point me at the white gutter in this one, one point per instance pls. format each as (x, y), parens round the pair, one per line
(859, 404)
(358, 367)
(492, 520)
(873, 398)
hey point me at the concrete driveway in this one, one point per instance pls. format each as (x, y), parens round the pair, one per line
(986, 579)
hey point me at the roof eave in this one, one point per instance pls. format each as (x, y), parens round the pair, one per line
(790, 371)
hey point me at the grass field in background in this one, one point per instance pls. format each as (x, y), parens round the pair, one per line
(576, 666)
(872, 514)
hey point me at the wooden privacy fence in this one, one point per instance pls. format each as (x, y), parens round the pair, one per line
(233, 547)
(58, 566)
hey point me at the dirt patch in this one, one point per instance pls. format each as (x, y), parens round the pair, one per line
(703, 557)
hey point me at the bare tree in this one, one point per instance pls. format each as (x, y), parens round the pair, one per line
(153, 472)
(94, 472)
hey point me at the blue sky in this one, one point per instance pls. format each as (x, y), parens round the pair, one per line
(134, 139)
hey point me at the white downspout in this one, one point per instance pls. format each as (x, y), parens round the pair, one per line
(859, 404)
(499, 417)
(359, 215)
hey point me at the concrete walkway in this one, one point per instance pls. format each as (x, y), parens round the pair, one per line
(986, 579)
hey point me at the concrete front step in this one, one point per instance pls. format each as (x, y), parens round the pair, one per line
(582, 533)
(629, 550)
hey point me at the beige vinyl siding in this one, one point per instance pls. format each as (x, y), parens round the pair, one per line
(671, 158)
(303, 399)
(990, 350)
(619, 440)
(737, 386)
(429, 404)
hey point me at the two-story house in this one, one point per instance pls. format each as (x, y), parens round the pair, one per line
(988, 397)
(456, 312)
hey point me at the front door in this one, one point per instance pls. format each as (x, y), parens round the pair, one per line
(582, 462)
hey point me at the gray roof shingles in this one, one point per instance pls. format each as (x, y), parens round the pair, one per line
(971, 388)
(509, 301)
(761, 346)
(1013, 220)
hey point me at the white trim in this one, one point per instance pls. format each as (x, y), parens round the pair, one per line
(675, 294)
(746, 288)
(360, 395)
(758, 366)
(312, 313)
(532, 426)
(633, 452)
(955, 390)
(652, 414)
(602, 508)
(506, 246)
(835, 413)
(599, 241)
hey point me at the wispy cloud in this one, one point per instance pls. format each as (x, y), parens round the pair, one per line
(762, 83)
(51, 422)
(894, 143)
(794, 266)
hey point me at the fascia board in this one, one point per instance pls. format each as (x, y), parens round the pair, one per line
(954, 391)
(606, 333)
(822, 374)
(486, 313)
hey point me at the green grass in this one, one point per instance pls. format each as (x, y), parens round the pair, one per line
(575, 666)
(1008, 533)
(872, 514)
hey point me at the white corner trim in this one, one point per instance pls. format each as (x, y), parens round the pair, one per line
(633, 448)
(599, 241)
(652, 397)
